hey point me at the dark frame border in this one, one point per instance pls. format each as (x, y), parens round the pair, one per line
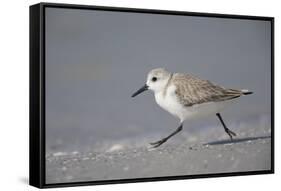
(37, 94)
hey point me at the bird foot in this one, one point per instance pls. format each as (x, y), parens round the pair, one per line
(158, 143)
(230, 133)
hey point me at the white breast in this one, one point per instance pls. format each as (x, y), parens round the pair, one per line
(170, 103)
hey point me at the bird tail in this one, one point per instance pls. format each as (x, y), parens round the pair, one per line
(246, 92)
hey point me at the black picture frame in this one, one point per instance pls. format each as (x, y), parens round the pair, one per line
(37, 94)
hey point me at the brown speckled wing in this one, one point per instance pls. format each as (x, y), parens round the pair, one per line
(191, 90)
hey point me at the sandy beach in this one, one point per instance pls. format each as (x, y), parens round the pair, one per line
(207, 151)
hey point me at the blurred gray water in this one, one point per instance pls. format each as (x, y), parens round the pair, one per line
(95, 60)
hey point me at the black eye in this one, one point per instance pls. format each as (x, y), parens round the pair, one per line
(154, 79)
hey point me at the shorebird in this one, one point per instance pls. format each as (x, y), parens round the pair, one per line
(186, 96)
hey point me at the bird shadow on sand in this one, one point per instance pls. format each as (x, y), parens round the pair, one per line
(237, 140)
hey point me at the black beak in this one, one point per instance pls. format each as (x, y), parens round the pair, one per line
(142, 89)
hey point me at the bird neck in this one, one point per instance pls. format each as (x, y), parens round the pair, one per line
(167, 84)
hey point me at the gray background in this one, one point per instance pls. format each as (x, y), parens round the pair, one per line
(95, 60)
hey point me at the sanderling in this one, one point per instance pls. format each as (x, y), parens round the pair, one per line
(186, 96)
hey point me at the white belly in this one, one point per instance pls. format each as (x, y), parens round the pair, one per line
(171, 104)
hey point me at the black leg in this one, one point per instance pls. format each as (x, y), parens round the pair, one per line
(230, 133)
(160, 142)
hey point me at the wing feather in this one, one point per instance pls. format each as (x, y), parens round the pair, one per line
(192, 90)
